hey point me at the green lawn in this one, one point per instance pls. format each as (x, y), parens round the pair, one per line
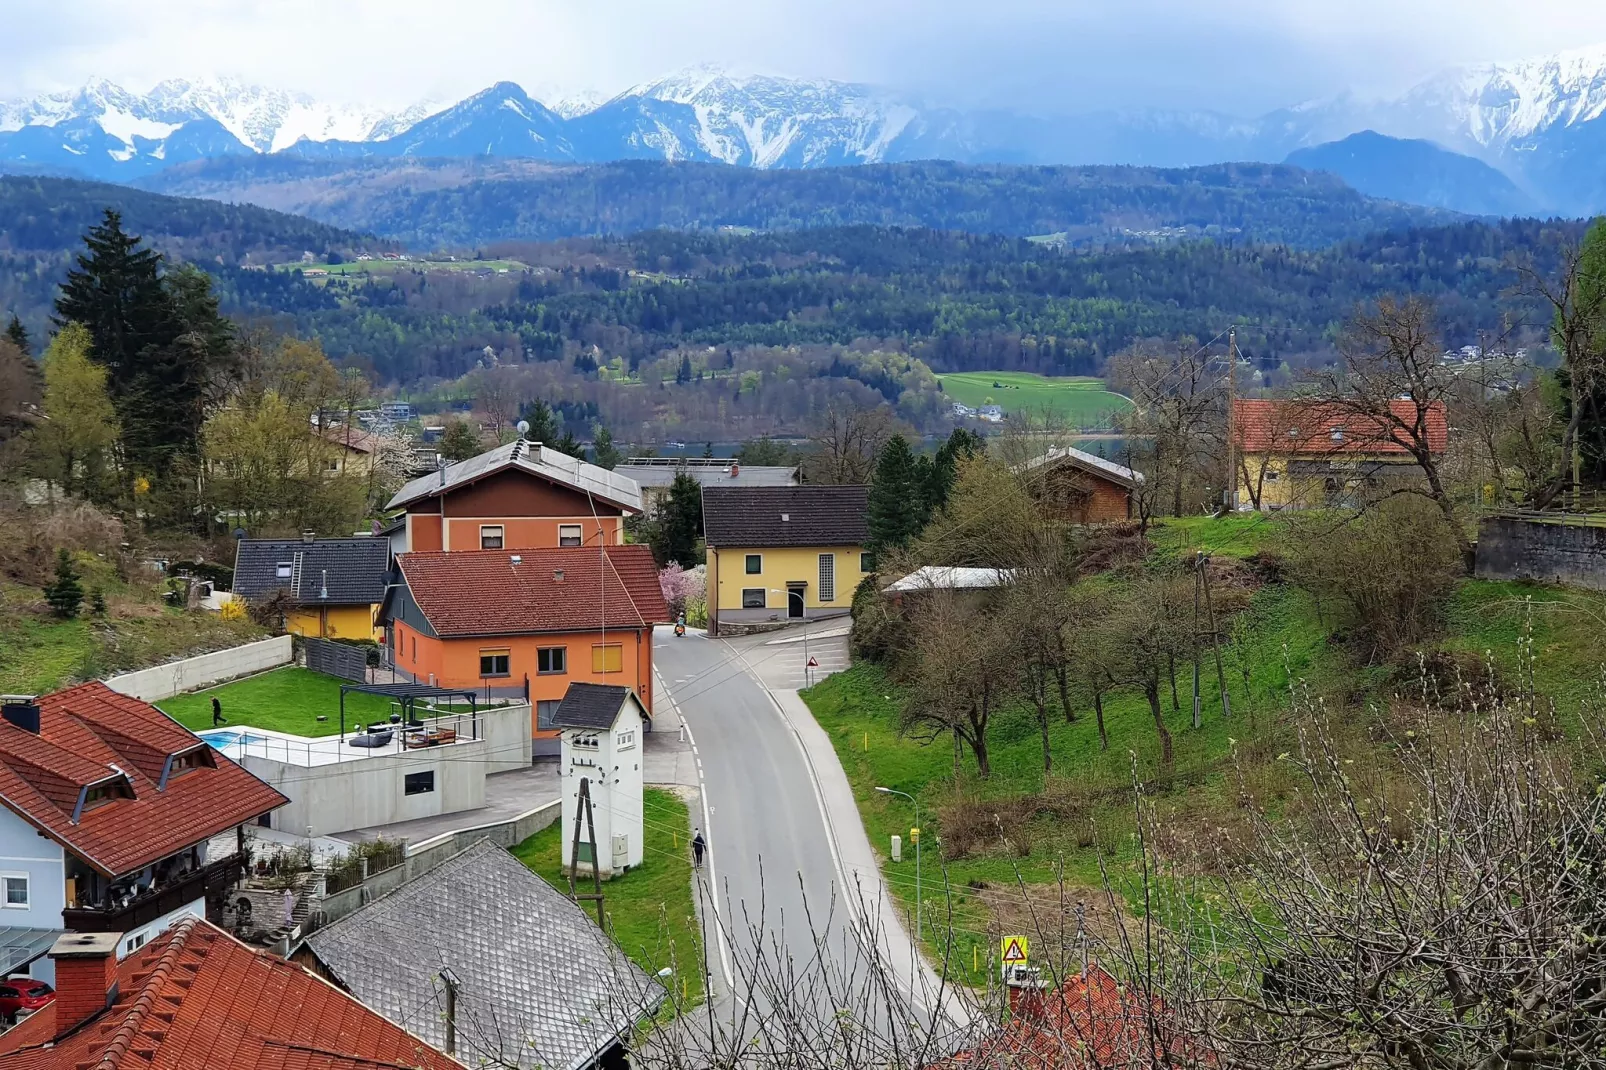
(286, 700)
(1081, 400)
(650, 912)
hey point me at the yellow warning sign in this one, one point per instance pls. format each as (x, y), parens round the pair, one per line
(1014, 950)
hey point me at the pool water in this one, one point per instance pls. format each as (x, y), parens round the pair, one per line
(223, 738)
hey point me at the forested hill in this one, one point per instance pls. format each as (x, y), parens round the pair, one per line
(50, 215)
(435, 203)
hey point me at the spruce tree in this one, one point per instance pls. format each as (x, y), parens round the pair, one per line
(459, 441)
(962, 444)
(680, 523)
(897, 497)
(116, 292)
(65, 593)
(17, 334)
(543, 423)
(604, 454)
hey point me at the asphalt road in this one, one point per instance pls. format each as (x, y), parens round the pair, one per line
(768, 844)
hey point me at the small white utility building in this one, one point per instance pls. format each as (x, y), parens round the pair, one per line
(602, 728)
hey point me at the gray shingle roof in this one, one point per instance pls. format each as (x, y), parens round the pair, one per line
(538, 983)
(661, 475)
(529, 457)
(1088, 462)
(590, 706)
(355, 569)
(815, 515)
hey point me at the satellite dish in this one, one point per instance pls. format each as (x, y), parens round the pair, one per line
(524, 428)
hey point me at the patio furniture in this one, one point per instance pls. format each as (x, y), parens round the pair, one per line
(372, 739)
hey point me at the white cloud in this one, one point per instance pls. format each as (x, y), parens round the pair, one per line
(1240, 55)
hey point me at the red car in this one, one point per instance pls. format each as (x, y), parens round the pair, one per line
(23, 994)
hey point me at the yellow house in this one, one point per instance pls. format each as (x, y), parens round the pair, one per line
(783, 553)
(326, 588)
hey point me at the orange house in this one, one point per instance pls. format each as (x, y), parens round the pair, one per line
(515, 623)
(522, 496)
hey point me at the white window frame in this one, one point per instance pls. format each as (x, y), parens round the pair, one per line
(493, 531)
(625, 740)
(827, 589)
(283, 570)
(763, 598)
(5, 891)
(579, 534)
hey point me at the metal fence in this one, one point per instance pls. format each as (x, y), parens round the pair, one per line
(337, 659)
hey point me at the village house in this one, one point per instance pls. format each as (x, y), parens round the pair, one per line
(1296, 453)
(106, 809)
(526, 623)
(195, 998)
(602, 729)
(327, 588)
(353, 451)
(522, 496)
(537, 983)
(655, 474)
(1081, 488)
(783, 553)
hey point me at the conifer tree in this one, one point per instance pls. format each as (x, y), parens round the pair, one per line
(897, 497)
(543, 423)
(17, 334)
(459, 441)
(65, 593)
(680, 523)
(604, 454)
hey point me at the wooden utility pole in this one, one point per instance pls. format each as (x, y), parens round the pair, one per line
(1232, 398)
(583, 813)
(1198, 568)
(1215, 637)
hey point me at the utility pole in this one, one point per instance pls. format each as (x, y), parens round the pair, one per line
(1198, 568)
(1215, 637)
(449, 979)
(1232, 398)
(583, 813)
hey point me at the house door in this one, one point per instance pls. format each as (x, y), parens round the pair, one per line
(794, 601)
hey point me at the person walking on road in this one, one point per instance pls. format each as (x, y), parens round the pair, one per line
(698, 846)
(217, 712)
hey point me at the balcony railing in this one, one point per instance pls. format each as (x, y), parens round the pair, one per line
(209, 881)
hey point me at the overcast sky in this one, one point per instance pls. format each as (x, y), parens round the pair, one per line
(1241, 56)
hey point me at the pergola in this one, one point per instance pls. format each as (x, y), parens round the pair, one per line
(408, 695)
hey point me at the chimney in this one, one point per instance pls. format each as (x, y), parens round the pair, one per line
(1025, 992)
(86, 977)
(22, 711)
(308, 535)
(736, 469)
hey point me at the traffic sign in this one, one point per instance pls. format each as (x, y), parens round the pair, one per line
(1015, 949)
(814, 663)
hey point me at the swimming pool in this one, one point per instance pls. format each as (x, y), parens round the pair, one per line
(223, 738)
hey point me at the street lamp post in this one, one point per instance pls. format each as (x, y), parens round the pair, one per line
(911, 798)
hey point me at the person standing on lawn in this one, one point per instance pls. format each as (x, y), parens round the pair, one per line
(217, 712)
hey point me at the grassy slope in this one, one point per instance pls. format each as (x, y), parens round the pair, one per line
(286, 700)
(1081, 400)
(650, 911)
(859, 710)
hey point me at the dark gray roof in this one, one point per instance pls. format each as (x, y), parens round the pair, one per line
(355, 569)
(662, 475)
(538, 983)
(590, 706)
(814, 515)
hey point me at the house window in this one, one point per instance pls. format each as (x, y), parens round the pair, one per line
(552, 659)
(494, 662)
(827, 578)
(544, 712)
(490, 536)
(198, 758)
(135, 942)
(418, 783)
(282, 570)
(16, 890)
(607, 658)
(569, 535)
(755, 564)
(415, 648)
(752, 598)
(334, 464)
(624, 740)
(867, 562)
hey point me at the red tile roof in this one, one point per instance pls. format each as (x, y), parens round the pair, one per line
(1091, 1023)
(483, 592)
(1294, 426)
(86, 731)
(195, 998)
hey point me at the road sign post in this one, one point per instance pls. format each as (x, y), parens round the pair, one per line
(1014, 952)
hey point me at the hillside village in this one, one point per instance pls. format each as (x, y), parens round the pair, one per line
(1252, 722)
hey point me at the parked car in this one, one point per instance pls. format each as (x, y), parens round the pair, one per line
(23, 994)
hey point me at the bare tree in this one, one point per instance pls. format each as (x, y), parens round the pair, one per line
(959, 673)
(1144, 633)
(844, 448)
(1179, 397)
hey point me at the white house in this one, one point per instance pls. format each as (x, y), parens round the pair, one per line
(602, 728)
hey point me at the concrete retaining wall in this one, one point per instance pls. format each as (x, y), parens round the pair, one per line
(370, 791)
(164, 681)
(506, 732)
(1565, 550)
(427, 854)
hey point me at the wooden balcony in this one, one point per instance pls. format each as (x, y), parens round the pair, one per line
(208, 882)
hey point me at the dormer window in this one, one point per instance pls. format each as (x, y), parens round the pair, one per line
(195, 758)
(282, 570)
(1338, 434)
(101, 793)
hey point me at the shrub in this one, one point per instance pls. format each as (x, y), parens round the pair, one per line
(65, 593)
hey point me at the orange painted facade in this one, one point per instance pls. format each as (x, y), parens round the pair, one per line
(455, 662)
(530, 533)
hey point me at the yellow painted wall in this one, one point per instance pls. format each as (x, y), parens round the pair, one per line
(779, 565)
(1278, 491)
(344, 622)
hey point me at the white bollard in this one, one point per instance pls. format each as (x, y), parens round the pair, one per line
(897, 848)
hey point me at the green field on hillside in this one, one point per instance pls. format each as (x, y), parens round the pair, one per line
(1081, 400)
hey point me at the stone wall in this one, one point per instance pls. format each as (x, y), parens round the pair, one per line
(1562, 549)
(175, 677)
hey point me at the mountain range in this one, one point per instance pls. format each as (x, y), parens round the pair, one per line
(1538, 128)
